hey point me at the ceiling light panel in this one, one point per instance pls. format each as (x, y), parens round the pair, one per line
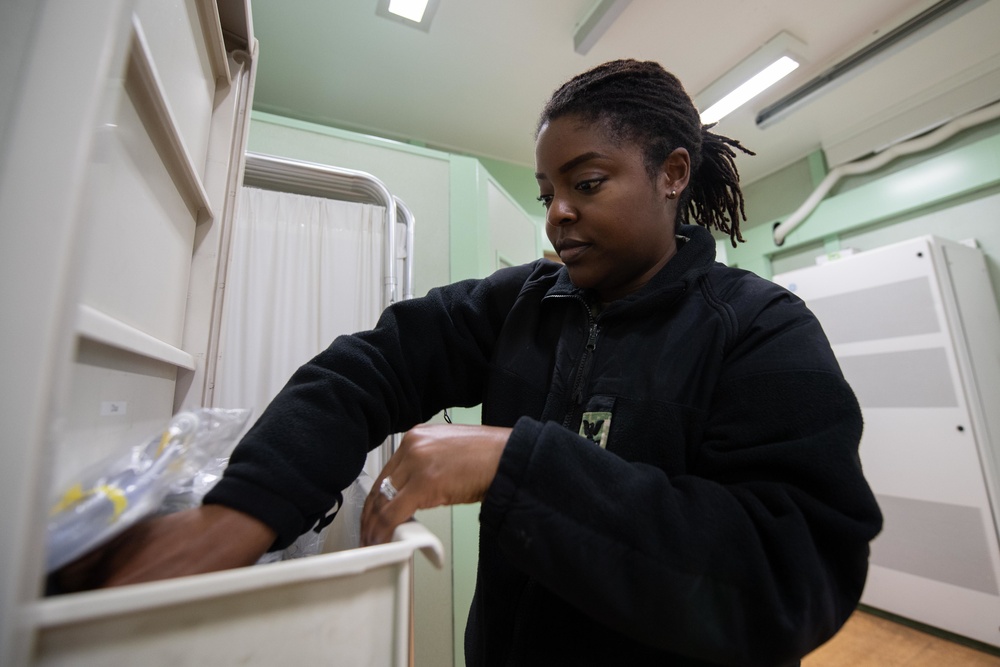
(750, 77)
(414, 13)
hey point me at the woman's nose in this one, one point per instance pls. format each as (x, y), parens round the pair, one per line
(560, 212)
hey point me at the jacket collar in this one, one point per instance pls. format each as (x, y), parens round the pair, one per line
(695, 256)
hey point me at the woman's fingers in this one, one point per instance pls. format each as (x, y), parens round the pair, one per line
(377, 518)
(203, 539)
(436, 464)
(386, 515)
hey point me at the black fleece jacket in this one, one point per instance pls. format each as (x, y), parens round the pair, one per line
(682, 484)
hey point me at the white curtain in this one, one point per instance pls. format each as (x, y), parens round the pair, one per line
(302, 271)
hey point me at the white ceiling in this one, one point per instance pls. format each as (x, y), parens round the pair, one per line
(476, 81)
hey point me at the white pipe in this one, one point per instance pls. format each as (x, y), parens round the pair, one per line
(928, 140)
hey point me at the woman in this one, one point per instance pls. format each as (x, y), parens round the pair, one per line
(668, 464)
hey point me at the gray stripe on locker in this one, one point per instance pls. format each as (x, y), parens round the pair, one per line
(898, 309)
(907, 379)
(938, 541)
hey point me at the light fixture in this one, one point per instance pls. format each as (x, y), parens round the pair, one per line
(759, 71)
(414, 13)
(891, 42)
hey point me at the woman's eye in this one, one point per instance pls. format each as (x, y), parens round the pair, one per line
(545, 199)
(589, 184)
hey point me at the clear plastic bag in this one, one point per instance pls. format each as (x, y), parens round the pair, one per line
(350, 511)
(120, 491)
(343, 533)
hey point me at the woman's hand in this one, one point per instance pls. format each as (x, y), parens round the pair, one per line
(436, 464)
(204, 539)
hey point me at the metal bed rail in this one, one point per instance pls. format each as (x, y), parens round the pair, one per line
(319, 180)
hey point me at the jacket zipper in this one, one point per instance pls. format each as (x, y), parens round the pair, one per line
(583, 369)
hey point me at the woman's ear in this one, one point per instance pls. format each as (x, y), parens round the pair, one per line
(675, 172)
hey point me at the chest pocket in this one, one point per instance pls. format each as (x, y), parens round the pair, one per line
(656, 433)
(595, 422)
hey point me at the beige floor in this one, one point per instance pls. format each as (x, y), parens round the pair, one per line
(868, 640)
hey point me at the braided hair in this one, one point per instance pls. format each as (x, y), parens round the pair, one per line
(642, 103)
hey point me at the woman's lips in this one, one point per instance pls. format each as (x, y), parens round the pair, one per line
(570, 251)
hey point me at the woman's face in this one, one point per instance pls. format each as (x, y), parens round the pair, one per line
(611, 224)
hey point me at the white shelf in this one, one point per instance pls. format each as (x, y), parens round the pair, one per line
(95, 325)
(214, 41)
(178, 158)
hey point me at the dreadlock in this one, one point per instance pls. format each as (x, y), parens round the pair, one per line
(642, 103)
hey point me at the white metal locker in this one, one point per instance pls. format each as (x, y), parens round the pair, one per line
(123, 147)
(122, 154)
(917, 333)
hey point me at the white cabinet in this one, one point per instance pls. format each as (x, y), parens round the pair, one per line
(347, 607)
(122, 154)
(122, 147)
(916, 330)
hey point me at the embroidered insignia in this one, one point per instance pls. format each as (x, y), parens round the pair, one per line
(595, 426)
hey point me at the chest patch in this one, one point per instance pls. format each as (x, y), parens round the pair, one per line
(594, 426)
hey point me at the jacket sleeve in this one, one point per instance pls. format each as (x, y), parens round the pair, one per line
(757, 554)
(424, 355)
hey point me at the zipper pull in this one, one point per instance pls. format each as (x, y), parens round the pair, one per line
(585, 362)
(592, 339)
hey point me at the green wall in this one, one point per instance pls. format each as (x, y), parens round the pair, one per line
(519, 181)
(951, 191)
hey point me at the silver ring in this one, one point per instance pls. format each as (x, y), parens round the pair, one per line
(387, 489)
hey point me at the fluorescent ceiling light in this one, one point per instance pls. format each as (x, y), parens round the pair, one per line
(408, 9)
(750, 77)
(414, 13)
(757, 84)
(890, 43)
